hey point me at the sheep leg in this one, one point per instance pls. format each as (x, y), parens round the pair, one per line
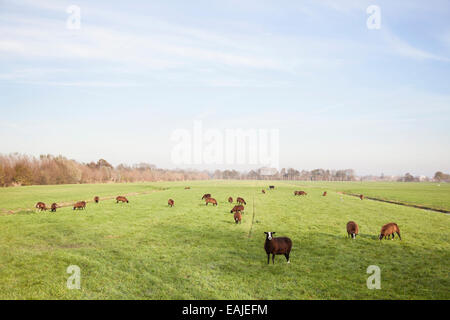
(287, 257)
(398, 233)
(268, 258)
(273, 258)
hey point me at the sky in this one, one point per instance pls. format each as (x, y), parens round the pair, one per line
(339, 94)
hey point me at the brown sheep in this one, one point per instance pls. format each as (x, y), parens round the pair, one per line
(230, 200)
(211, 200)
(121, 199)
(41, 206)
(187, 188)
(352, 229)
(171, 203)
(324, 194)
(361, 197)
(300, 193)
(389, 229)
(241, 201)
(206, 196)
(282, 245)
(238, 217)
(263, 191)
(79, 205)
(54, 207)
(237, 208)
(96, 199)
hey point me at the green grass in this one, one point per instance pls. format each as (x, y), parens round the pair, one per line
(27, 197)
(146, 250)
(432, 195)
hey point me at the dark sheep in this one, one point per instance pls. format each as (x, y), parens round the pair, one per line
(361, 197)
(54, 207)
(211, 200)
(41, 206)
(171, 203)
(230, 200)
(241, 201)
(96, 199)
(274, 246)
(238, 217)
(389, 229)
(324, 194)
(352, 229)
(121, 199)
(79, 205)
(271, 187)
(206, 196)
(237, 208)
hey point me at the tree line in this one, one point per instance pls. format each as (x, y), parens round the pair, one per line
(288, 174)
(22, 170)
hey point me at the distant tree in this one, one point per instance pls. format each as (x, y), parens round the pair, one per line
(103, 163)
(440, 176)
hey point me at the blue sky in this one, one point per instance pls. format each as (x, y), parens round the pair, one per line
(341, 95)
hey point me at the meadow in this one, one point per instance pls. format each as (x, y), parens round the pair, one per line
(147, 250)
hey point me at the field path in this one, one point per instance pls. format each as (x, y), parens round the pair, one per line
(396, 202)
(400, 203)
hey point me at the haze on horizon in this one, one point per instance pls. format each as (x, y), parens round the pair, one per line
(340, 94)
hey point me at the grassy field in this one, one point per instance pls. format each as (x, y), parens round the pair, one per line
(146, 250)
(433, 195)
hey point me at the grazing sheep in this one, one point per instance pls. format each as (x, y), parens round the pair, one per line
(263, 191)
(324, 194)
(206, 196)
(238, 217)
(237, 208)
(96, 199)
(79, 205)
(41, 206)
(121, 199)
(211, 200)
(282, 245)
(389, 229)
(352, 229)
(187, 188)
(361, 197)
(54, 207)
(230, 200)
(300, 193)
(271, 187)
(241, 201)
(171, 203)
